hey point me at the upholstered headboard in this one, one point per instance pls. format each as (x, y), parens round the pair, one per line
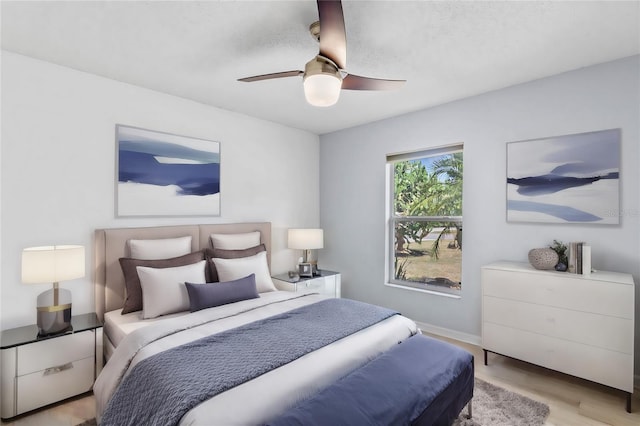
(111, 245)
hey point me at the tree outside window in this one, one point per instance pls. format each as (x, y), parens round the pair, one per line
(426, 220)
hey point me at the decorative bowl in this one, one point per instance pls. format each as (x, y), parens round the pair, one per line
(543, 258)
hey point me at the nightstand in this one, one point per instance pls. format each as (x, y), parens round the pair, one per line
(327, 283)
(37, 371)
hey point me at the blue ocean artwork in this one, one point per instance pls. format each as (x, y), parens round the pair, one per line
(566, 179)
(194, 172)
(161, 174)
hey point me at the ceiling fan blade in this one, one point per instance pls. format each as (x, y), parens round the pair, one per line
(356, 82)
(333, 38)
(272, 75)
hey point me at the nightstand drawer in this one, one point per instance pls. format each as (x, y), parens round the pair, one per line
(55, 352)
(54, 384)
(312, 285)
(39, 371)
(327, 283)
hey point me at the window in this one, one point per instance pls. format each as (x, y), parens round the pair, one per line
(425, 220)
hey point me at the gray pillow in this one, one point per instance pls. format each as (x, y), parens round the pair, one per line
(133, 302)
(228, 254)
(202, 296)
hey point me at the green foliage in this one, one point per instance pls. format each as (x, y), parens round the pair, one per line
(447, 227)
(411, 183)
(449, 168)
(561, 249)
(422, 192)
(401, 268)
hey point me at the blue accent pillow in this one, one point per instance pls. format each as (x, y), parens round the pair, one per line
(202, 296)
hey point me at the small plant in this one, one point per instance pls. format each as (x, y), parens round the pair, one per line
(561, 249)
(401, 271)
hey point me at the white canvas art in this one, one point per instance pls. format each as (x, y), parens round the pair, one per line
(565, 179)
(161, 174)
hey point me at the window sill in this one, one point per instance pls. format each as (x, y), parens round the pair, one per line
(424, 290)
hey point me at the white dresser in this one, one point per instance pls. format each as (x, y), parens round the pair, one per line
(582, 325)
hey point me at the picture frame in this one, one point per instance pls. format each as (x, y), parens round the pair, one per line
(565, 179)
(162, 174)
(305, 270)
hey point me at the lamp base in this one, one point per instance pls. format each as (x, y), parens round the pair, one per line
(54, 322)
(54, 311)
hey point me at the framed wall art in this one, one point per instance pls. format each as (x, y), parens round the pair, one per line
(160, 174)
(565, 179)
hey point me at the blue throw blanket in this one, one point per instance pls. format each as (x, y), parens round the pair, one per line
(164, 387)
(419, 381)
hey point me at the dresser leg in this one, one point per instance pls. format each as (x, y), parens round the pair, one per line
(629, 395)
(485, 356)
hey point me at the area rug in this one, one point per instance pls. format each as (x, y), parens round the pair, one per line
(492, 406)
(495, 406)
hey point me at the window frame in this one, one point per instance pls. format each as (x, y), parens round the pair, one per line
(392, 219)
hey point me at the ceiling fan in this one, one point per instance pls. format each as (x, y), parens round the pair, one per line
(324, 76)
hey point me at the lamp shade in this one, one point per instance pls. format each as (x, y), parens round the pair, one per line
(305, 239)
(322, 89)
(51, 264)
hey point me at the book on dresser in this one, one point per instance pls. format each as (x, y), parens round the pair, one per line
(579, 259)
(581, 325)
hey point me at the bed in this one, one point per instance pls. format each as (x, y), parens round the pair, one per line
(267, 357)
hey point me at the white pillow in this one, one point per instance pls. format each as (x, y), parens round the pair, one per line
(163, 289)
(235, 241)
(233, 269)
(164, 248)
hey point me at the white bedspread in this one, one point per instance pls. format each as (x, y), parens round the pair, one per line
(270, 394)
(118, 326)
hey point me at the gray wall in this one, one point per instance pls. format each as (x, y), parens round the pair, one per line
(352, 185)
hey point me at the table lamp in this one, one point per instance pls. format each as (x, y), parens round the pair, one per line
(306, 240)
(52, 264)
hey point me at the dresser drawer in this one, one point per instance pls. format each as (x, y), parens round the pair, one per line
(55, 352)
(581, 327)
(561, 290)
(47, 386)
(599, 365)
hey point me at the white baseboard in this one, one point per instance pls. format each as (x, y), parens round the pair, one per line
(451, 334)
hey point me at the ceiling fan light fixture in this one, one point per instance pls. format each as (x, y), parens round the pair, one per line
(322, 90)
(322, 82)
(325, 75)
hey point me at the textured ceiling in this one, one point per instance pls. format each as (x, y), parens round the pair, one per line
(446, 50)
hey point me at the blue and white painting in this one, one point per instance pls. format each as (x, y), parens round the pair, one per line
(565, 179)
(161, 174)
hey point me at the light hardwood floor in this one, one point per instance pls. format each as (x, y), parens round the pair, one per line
(69, 413)
(572, 401)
